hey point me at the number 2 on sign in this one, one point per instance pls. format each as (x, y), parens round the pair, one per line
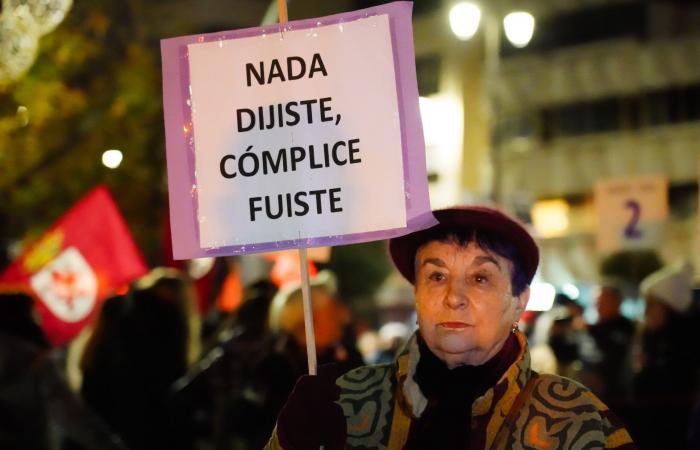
(631, 230)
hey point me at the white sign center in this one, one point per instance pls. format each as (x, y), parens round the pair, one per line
(297, 135)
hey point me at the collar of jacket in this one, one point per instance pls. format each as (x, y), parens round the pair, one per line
(500, 397)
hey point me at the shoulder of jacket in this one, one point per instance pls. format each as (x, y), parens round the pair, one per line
(565, 395)
(365, 377)
(569, 402)
(367, 400)
(552, 379)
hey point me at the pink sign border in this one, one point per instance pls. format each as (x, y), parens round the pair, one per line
(179, 139)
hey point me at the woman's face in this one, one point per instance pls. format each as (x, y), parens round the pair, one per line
(464, 301)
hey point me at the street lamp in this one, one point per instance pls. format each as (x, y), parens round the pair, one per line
(519, 26)
(112, 158)
(464, 20)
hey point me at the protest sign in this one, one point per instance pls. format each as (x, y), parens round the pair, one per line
(301, 134)
(631, 212)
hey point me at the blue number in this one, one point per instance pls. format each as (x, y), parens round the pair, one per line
(631, 230)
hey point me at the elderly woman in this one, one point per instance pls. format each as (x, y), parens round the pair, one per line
(464, 378)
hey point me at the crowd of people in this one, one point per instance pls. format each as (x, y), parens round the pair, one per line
(159, 373)
(646, 371)
(153, 377)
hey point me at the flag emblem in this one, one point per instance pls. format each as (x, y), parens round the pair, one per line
(67, 285)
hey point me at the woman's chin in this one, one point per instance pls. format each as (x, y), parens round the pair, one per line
(455, 344)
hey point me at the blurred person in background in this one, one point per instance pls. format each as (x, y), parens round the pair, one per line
(560, 340)
(527, 322)
(368, 345)
(334, 334)
(464, 379)
(556, 344)
(37, 409)
(568, 336)
(141, 344)
(235, 391)
(666, 383)
(610, 363)
(573, 307)
(694, 426)
(542, 357)
(392, 337)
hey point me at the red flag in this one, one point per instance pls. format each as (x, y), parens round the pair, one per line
(287, 267)
(78, 262)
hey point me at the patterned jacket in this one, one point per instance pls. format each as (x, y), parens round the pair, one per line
(523, 410)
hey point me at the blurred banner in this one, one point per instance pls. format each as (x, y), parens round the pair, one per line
(631, 212)
(78, 262)
(286, 267)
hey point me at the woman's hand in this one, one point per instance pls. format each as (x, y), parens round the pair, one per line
(311, 418)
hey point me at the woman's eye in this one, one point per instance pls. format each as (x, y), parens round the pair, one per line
(481, 279)
(436, 276)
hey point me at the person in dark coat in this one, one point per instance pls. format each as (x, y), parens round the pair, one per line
(612, 335)
(665, 386)
(37, 409)
(138, 349)
(235, 391)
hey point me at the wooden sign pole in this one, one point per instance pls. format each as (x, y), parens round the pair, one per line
(304, 262)
(308, 312)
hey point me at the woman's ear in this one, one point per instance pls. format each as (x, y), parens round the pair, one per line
(521, 302)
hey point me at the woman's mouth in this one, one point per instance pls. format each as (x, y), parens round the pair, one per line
(453, 325)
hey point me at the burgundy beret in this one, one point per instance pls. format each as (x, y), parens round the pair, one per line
(403, 249)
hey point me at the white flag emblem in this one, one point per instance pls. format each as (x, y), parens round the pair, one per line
(67, 286)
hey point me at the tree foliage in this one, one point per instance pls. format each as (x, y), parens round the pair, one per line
(94, 86)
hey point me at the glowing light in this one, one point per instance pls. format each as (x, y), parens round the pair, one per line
(519, 27)
(550, 217)
(428, 113)
(571, 291)
(112, 158)
(22, 116)
(441, 118)
(541, 297)
(464, 20)
(199, 267)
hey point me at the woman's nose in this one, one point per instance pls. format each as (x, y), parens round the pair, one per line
(457, 295)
